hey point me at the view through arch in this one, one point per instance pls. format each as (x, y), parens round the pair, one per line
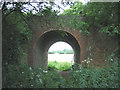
(60, 56)
(39, 53)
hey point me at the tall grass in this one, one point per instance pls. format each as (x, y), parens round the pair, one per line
(54, 65)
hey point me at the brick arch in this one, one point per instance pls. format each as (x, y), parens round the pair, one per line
(42, 45)
(96, 45)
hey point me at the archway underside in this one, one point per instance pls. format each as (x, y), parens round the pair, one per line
(49, 38)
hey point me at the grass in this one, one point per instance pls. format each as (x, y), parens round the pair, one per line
(63, 66)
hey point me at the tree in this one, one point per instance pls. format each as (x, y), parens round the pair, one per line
(102, 16)
(16, 31)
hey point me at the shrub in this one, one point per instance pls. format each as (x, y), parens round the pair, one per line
(105, 77)
(54, 65)
(23, 76)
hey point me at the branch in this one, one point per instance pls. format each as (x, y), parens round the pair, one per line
(8, 13)
(58, 6)
(33, 6)
(26, 9)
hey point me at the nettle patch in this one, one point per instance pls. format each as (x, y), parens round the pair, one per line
(23, 76)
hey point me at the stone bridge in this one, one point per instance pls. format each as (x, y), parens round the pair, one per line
(48, 30)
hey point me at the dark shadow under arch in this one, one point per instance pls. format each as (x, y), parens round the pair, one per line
(49, 38)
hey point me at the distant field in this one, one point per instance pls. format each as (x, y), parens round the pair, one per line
(61, 57)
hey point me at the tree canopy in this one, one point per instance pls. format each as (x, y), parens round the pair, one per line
(101, 17)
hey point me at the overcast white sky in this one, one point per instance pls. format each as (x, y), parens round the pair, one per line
(60, 46)
(67, 7)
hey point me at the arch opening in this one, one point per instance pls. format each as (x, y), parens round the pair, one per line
(46, 40)
(60, 56)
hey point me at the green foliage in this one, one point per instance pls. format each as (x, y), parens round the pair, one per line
(102, 17)
(75, 13)
(75, 9)
(52, 65)
(63, 66)
(16, 36)
(23, 76)
(67, 12)
(94, 78)
(48, 12)
(105, 17)
(51, 52)
(111, 30)
(16, 31)
(104, 77)
(65, 51)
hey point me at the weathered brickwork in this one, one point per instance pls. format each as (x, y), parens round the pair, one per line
(46, 32)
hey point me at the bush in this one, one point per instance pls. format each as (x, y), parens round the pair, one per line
(63, 66)
(23, 76)
(16, 36)
(105, 77)
(94, 78)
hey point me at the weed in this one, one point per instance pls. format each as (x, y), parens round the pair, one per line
(63, 66)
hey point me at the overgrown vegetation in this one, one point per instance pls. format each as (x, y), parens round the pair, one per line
(23, 76)
(101, 17)
(16, 34)
(63, 66)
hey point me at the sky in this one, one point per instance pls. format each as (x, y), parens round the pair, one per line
(68, 6)
(60, 46)
(57, 2)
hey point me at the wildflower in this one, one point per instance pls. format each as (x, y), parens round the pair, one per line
(40, 80)
(111, 59)
(45, 71)
(91, 59)
(22, 72)
(88, 61)
(32, 85)
(38, 75)
(30, 68)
